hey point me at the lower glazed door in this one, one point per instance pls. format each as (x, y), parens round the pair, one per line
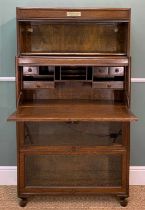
(51, 171)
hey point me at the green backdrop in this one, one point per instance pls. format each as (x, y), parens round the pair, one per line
(7, 69)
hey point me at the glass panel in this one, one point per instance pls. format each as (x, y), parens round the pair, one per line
(73, 170)
(71, 37)
(81, 134)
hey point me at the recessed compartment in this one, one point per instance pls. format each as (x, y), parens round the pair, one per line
(73, 38)
(73, 73)
(38, 77)
(108, 77)
(98, 77)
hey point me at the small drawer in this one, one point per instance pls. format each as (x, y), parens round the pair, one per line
(108, 85)
(29, 70)
(37, 84)
(116, 71)
(100, 71)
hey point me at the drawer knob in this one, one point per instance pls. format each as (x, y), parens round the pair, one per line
(29, 70)
(116, 70)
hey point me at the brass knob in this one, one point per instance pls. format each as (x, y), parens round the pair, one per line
(116, 70)
(29, 69)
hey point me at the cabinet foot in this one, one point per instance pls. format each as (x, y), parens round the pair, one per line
(23, 202)
(123, 201)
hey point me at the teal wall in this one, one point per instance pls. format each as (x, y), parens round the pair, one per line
(7, 68)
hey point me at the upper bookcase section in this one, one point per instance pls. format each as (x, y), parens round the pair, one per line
(45, 31)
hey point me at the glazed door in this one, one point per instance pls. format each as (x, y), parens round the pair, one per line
(72, 38)
(99, 172)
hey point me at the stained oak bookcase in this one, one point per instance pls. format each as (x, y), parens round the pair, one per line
(73, 115)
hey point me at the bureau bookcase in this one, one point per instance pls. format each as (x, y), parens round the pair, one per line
(73, 102)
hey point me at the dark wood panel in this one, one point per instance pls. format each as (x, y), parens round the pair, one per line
(69, 60)
(65, 92)
(72, 150)
(50, 13)
(27, 191)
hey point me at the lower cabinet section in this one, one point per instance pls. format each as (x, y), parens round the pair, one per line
(58, 158)
(66, 157)
(38, 171)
